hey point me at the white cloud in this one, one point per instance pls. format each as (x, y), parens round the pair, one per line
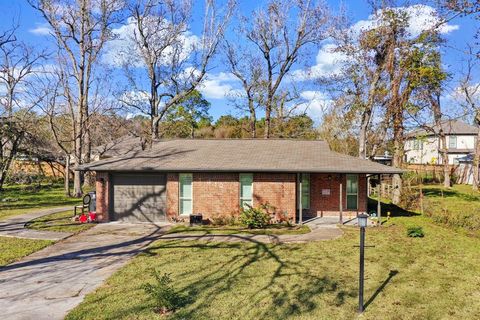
(420, 18)
(123, 49)
(41, 30)
(328, 63)
(316, 103)
(218, 86)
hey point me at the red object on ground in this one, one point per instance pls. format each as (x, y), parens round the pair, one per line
(83, 218)
(92, 216)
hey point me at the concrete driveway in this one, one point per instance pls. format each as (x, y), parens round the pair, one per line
(50, 282)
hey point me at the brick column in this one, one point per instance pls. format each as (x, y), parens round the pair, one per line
(102, 183)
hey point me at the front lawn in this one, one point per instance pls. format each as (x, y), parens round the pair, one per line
(275, 229)
(61, 221)
(435, 277)
(20, 199)
(12, 249)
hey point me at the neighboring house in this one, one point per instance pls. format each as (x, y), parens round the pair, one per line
(385, 159)
(422, 146)
(217, 177)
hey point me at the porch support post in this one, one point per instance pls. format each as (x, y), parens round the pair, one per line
(341, 198)
(379, 202)
(300, 209)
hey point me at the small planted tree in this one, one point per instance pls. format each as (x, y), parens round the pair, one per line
(167, 300)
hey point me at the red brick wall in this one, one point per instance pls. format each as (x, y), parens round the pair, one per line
(102, 188)
(362, 193)
(172, 195)
(216, 194)
(329, 204)
(276, 189)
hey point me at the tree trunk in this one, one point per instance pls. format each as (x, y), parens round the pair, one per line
(437, 115)
(267, 123)
(367, 116)
(67, 175)
(362, 137)
(253, 121)
(476, 158)
(77, 175)
(446, 166)
(398, 151)
(7, 158)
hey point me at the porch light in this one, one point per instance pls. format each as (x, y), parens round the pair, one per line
(362, 220)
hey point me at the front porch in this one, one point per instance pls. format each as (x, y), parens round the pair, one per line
(333, 195)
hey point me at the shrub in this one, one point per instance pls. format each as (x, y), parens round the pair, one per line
(254, 218)
(166, 298)
(225, 220)
(415, 232)
(409, 199)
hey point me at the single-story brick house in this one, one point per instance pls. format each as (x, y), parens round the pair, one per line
(176, 178)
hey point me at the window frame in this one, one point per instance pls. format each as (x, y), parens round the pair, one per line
(180, 198)
(347, 193)
(304, 191)
(450, 139)
(241, 198)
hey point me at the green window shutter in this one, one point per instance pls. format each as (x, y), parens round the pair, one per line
(185, 193)
(352, 192)
(305, 191)
(246, 189)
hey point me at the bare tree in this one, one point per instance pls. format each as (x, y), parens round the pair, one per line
(81, 29)
(277, 36)
(19, 66)
(468, 94)
(175, 61)
(245, 67)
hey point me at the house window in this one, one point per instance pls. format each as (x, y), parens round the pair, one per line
(452, 142)
(246, 190)
(185, 193)
(352, 192)
(305, 191)
(417, 145)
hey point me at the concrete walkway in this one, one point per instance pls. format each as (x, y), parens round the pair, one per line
(322, 229)
(50, 282)
(15, 226)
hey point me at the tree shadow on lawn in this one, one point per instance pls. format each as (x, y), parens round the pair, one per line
(395, 211)
(287, 297)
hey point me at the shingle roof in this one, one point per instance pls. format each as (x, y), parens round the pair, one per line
(448, 126)
(239, 156)
(119, 147)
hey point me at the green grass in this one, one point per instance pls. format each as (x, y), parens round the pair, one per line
(12, 249)
(457, 207)
(28, 199)
(61, 221)
(435, 277)
(270, 230)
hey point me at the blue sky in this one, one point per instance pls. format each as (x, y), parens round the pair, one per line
(31, 26)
